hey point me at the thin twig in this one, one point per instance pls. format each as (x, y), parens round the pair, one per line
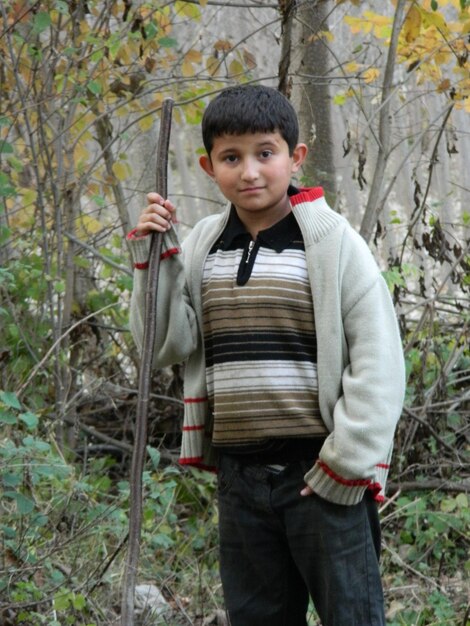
(38, 366)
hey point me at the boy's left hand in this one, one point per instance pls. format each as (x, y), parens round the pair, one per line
(306, 491)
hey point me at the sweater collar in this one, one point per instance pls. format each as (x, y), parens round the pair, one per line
(279, 235)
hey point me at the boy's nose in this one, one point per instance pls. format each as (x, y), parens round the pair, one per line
(249, 171)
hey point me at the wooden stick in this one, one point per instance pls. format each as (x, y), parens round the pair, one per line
(140, 444)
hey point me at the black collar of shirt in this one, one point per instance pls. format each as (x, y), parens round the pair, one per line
(278, 236)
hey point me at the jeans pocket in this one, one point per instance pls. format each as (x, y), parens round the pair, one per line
(225, 477)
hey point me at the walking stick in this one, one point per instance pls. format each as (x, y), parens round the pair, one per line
(138, 455)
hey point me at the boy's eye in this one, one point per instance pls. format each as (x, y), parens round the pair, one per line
(231, 158)
(266, 154)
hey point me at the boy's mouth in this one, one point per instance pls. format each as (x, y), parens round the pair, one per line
(251, 189)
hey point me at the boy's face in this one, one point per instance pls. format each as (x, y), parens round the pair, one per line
(253, 171)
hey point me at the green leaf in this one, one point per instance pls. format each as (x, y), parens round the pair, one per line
(62, 601)
(154, 455)
(36, 444)
(61, 6)
(24, 505)
(12, 480)
(448, 505)
(99, 200)
(59, 286)
(7, 418)
(30, 419)
(150, 30)
(462, 500)
(339, 99)
(5, 147)
(167, 42)
(9, 398)
(42, 21)
(94, 87)
(79, 602)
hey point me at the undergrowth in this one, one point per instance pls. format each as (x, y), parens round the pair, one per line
(64, 525)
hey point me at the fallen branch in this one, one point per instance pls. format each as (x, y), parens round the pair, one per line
(138, 457)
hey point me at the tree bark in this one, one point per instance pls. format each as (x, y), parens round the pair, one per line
(304, 55)
(374, 206)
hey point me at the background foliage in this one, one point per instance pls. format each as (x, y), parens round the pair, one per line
(82, 84)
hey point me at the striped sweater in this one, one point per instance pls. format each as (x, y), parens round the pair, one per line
(360, 365)
(259, 339)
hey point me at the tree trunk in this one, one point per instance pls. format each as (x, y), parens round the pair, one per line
(303, 77)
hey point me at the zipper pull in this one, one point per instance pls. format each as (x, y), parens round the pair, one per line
(251, 245)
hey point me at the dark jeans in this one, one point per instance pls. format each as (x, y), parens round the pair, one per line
(278, 547)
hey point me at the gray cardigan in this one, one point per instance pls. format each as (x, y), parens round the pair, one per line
(361, 374)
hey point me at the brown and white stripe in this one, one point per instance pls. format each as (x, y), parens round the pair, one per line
(260, 346)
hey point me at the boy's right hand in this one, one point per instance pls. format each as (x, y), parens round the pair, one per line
(156, 217)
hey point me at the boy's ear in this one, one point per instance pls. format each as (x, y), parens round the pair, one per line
(298, 156)
(206, 164)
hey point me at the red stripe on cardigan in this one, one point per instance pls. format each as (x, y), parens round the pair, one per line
(194, 400)
(133, 237)
(169, 252)
(189, 428)
(306, 194)
(357, 482)
(163, 256)
(196, 461)
(141, 266)
(376, 488)
(383, 465)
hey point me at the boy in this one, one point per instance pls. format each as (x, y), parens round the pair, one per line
(294, 376)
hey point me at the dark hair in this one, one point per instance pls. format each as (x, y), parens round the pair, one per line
(249, 109)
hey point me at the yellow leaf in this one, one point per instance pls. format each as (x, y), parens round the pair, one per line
(121, 170)
(213, 65)
(357, 24)
(371, 75)
(443, 85)
(164, 21)
(193, 113)
(322, 35)
(188, 9)
(187, 69)
(157, 100)
(351, 68)
(380, 23)
(177, 115)
(84, 27)
(235, 68)
(249, 59)
(88, 225)
(222, 45)
(25, 217)
(123, 55)
(443, 56)
(146, 122)
(433, 18)
(81, 154)
(412, 24)
(193, 56)
(377, 19)
(29, 196)
(93, 188)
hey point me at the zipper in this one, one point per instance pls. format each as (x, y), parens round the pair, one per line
(251, 245)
